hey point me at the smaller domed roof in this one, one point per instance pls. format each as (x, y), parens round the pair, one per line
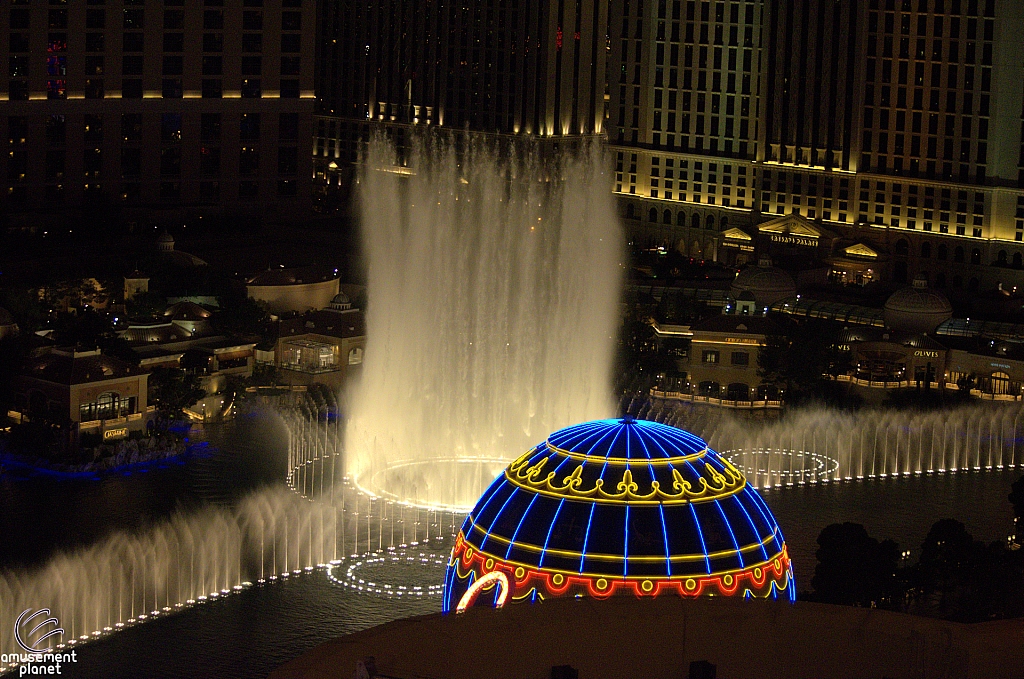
(768, 284)
(917, 308)
(340, 303)
(165, 237)
(186, 311)
(5, 317)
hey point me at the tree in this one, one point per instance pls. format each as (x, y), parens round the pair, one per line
(84, 329)
(773, 361)
(14, 350)
(1016, 497)
(173, 389)
(949, 554)
(242, 317)
(802, 360)
(854, 568)
(25, 307)
(144, 305)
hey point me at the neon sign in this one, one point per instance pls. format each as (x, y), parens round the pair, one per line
(618, 507)
(114, 434)
(494, 578)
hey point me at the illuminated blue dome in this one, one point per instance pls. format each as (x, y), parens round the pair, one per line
(616, 506)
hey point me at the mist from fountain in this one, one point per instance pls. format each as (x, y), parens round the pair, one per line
(494, 280)
(817, 444)
(191, 558)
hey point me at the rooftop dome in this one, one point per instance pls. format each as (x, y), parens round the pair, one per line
(618, 507)
(767, 283)
(916, 309)
(340, 302)
(186, 311)
(165, 242)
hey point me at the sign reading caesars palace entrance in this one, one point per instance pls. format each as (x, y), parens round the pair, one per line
(795, 240)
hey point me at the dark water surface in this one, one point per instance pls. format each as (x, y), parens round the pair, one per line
(251, 633)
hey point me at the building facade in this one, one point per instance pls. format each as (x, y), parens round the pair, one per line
(504, 67)
(324, 347)
(169, 107)
(899, 119)
(723, 358)
(92, 392)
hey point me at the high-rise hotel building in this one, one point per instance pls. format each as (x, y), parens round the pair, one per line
(162, 107)
(887, 131)
(507, 67)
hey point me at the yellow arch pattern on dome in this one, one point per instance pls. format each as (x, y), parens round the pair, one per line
(711, 485)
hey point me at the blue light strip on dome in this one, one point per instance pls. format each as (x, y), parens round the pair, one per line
(497, 516)
(512, 542)
(610, 445)
(663, 433)
(725, 520)
(587, 432)
(773, 525)
(586, 537)
(769, 522)
(661, 510)
(544, 551)
(664, 534)
(490, 492)
(666, 443)
(739, 504)
(700, 534)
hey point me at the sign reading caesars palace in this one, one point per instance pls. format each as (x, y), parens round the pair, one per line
(795, 240)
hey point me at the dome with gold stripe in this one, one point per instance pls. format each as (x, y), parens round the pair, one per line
(619, 506)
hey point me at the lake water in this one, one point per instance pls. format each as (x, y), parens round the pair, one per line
(250, 633)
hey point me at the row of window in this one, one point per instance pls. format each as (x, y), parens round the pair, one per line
(972, 7)
(170, 88)
(131, 192)
(249, 127)
(170, 162)
(291, 43)
(173, 19)
(18, 65)
(714, 357)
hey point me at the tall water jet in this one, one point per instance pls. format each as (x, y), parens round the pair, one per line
(494, 280)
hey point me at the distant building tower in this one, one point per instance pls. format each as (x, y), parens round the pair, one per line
(135, 283)
(529, 67)
(161, 110)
